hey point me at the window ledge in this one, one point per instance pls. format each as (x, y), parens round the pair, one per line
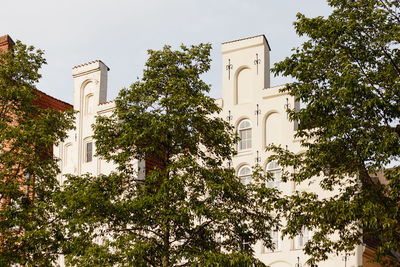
(295, 249)
(244, 152)
(269, 252)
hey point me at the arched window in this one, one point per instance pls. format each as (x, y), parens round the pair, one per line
(273, 129)
(68, 155)
(89, 103)
(244, 174)
(244, 86)
(276, 172)
(244, 130)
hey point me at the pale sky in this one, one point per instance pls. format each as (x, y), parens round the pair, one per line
(119, 32)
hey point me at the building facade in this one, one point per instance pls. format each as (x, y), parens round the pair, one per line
(257, 110)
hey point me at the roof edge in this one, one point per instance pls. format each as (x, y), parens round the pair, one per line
(251, 37)
(52, 97)
(91, 62)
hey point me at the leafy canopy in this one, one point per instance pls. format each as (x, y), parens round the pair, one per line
(190, 208)
(348, 79)
(29, 235)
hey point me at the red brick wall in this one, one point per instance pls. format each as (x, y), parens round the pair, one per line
(151, 164)
(6, 43)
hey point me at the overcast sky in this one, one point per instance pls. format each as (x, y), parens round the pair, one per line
(119, 32)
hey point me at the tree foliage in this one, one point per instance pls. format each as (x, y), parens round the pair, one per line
(28, 233)
(190, 209)
(348, 80)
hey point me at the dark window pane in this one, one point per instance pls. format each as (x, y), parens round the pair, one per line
(89, 151)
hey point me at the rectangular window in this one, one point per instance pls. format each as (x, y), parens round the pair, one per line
(301, 239)
(276, 238)
(89, 151)
(141, 169)
(245, 139)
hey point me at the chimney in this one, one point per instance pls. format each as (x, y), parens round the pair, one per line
(6, 43)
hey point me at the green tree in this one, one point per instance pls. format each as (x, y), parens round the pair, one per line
(347, 77)
(28, 233)
(190, 209)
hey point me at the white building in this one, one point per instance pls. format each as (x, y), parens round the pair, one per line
(257, 110)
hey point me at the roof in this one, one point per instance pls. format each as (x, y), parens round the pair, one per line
(46, 101)
(238, 40)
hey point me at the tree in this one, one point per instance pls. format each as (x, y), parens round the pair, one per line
(348, 80)
(28, 233)
(190, 208)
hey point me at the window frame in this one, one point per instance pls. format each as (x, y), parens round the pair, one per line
(245, 129)
(304, 236)
(247, 177)
(68, 154)
(275, 170)
(276, 238)
(89, 104)
(88, 158)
